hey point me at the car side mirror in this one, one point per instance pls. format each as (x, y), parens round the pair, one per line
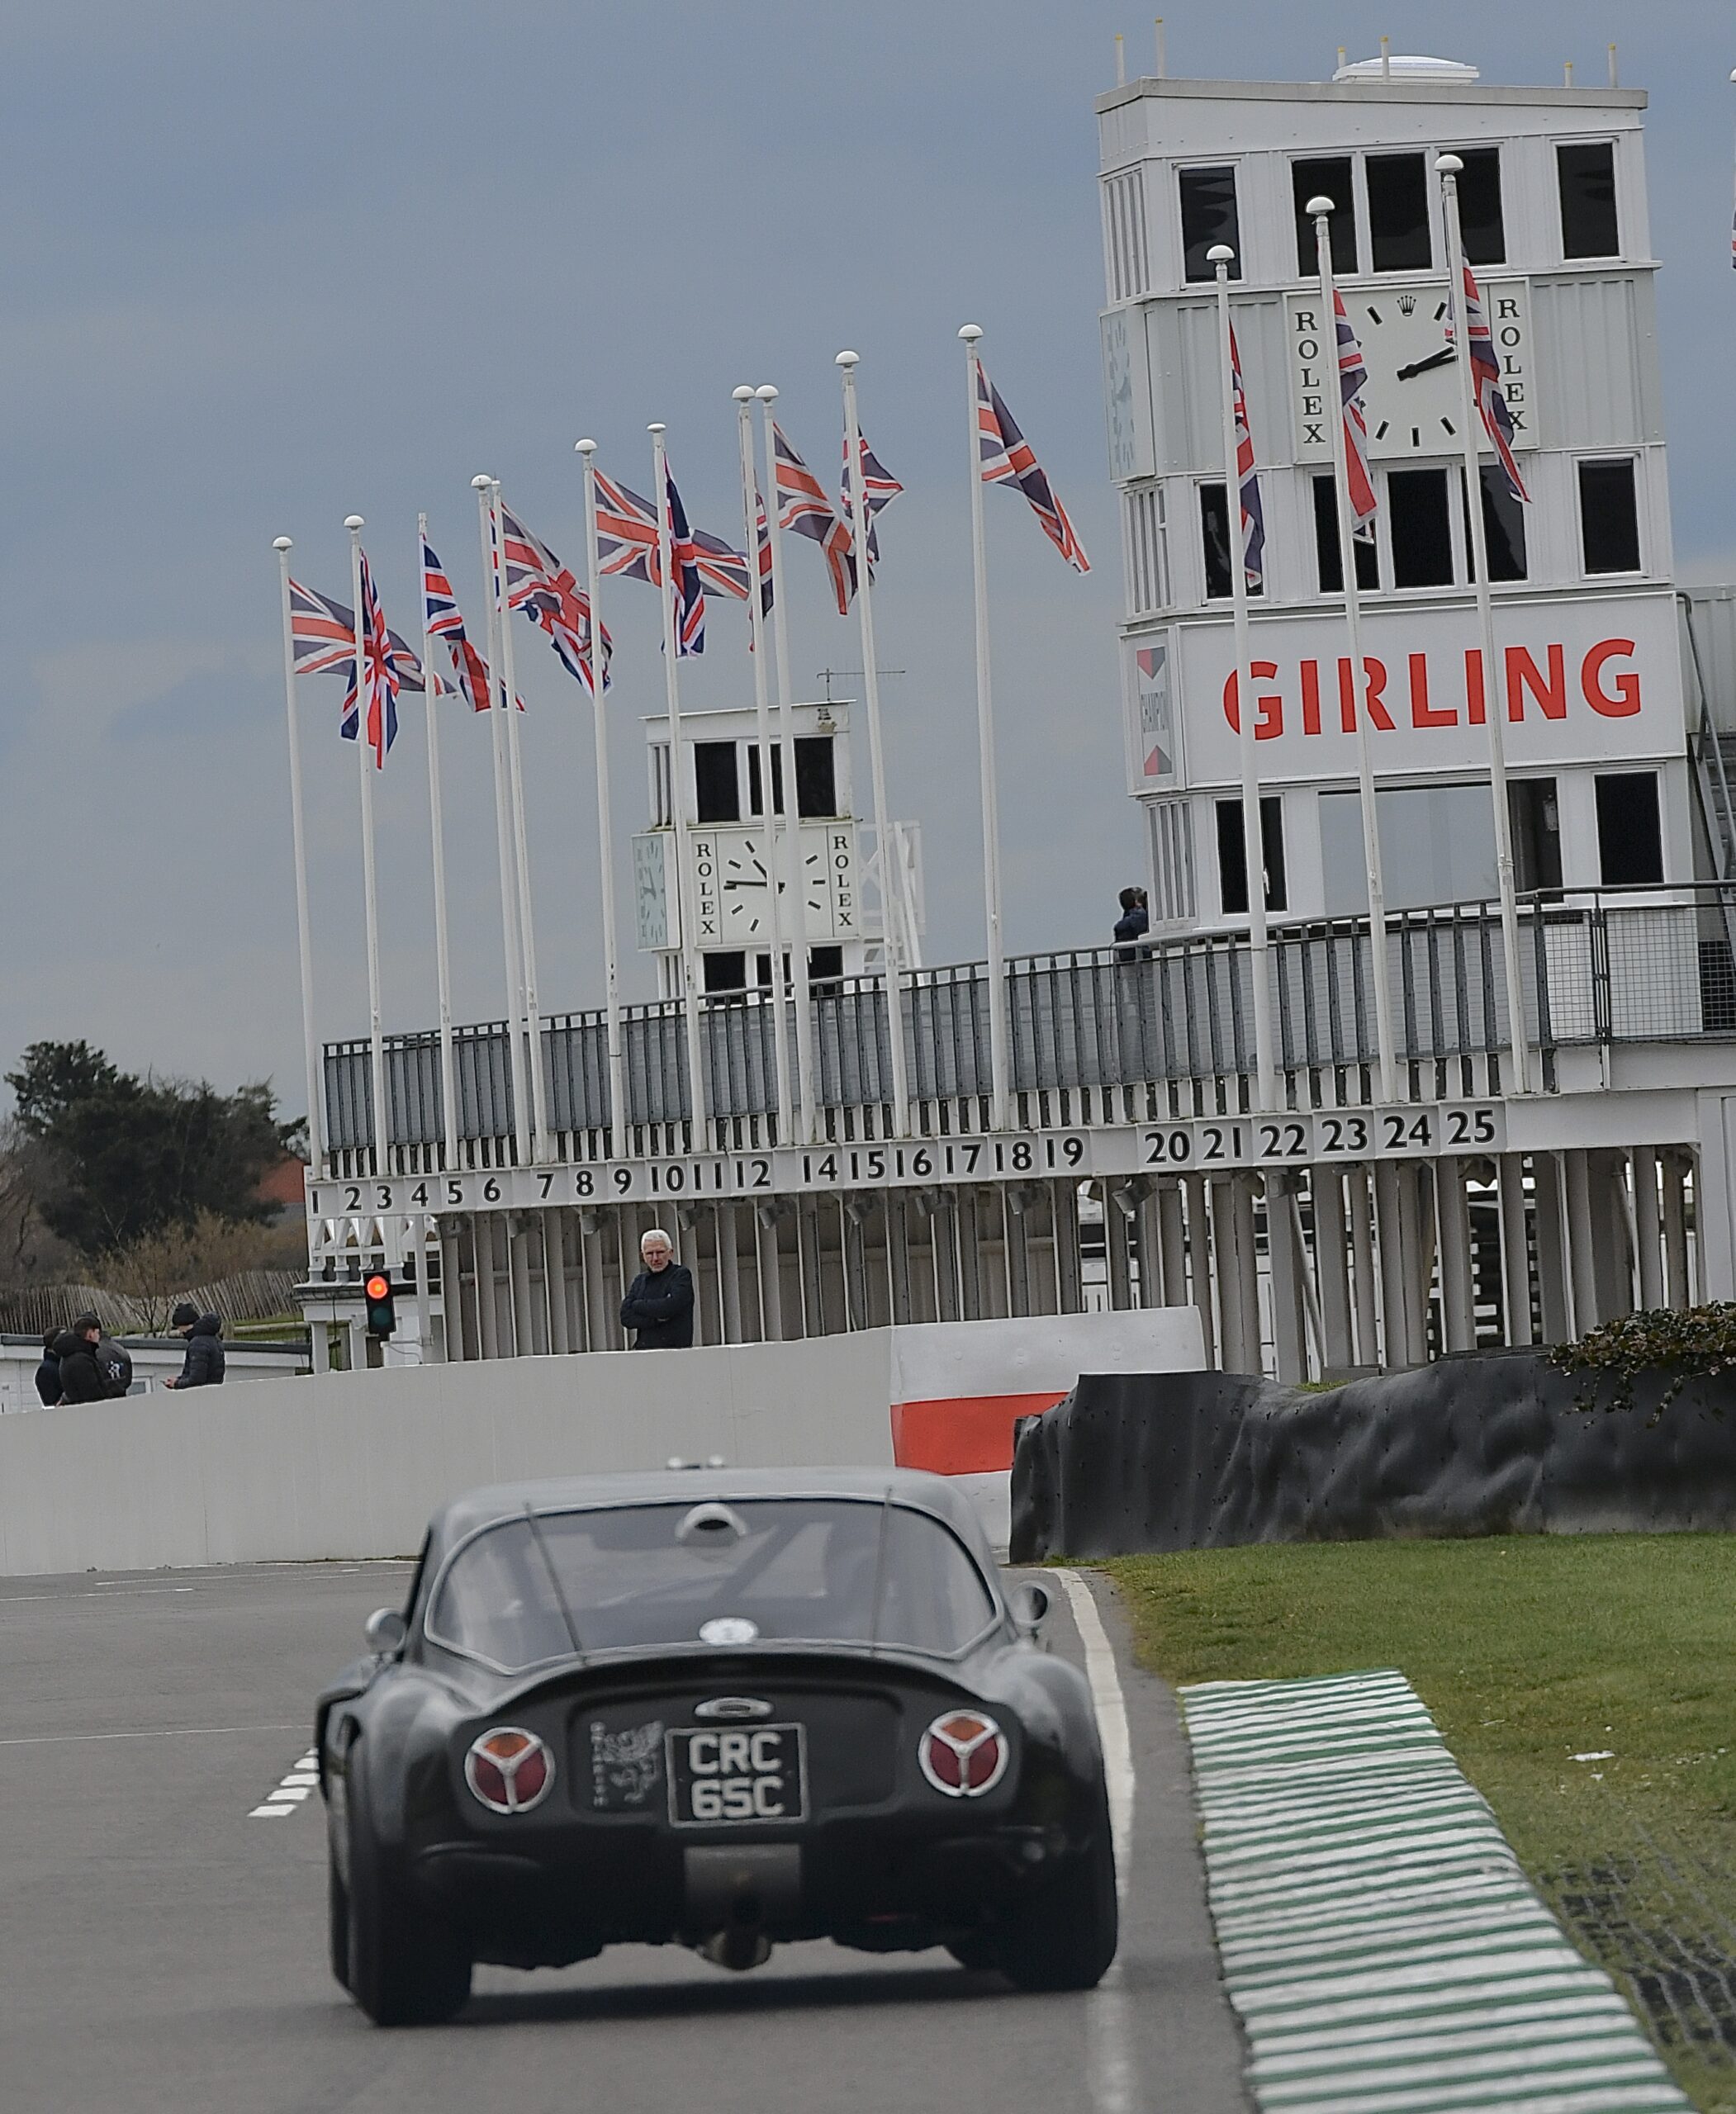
(1029, 1605)
(385, 1630)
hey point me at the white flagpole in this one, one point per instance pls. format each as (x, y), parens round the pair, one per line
(806, 1077)
(743, 400)
(1321, 210)
(859, 530)
(544, 1142)
(1221, 257)
(377, 1042)
(436, 836)
(618, 1110)
(1494, 686)
(298, 831)
(698, 1100)
(481, 485)
(999, 1066)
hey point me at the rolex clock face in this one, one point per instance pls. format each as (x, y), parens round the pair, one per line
(651, 890)
(1411, 401)
(750, 869)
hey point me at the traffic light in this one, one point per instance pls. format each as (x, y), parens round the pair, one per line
(381, 1314)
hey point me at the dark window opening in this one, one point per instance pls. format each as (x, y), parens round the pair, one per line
(1503, 525)
(1208, 217)
(1534, 815)
(1232, 861)
(1325, 179)
(1398, 213)
(1608, 517)
(1214, 529)
(1481, 221)
(816, 775)
(1588, 220)
(724, 972)
(716, 782)
(1325, 544)
(1630, 834)
(825, 965)
(1422, 530)
(755, 805)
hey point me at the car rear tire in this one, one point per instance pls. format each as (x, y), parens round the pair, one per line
(1063, 1935)
(337, 1921)
(403, 1965)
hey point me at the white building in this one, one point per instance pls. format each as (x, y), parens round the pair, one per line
(1554, 209)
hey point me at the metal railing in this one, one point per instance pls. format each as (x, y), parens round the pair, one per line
(1601, 966)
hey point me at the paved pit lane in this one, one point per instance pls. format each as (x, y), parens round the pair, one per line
(162, 1946)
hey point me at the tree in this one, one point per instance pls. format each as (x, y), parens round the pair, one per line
(119, 1156)
(162, 1266)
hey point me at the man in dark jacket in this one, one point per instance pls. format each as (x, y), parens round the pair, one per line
(114, 1364)
(203, 1365)
(48, 1374)
(1135, 921)
(81, 1374)
(659, 1301)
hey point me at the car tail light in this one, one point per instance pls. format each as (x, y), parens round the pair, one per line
(509, 1770)
(964, 1754)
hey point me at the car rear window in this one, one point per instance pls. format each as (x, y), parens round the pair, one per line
(797, 1570)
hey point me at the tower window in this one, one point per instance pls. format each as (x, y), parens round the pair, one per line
(1503, 524)
(1586, 174)
(1420, 528)
(1328, 178)
(1208, 217)
(1232, 855)
(1608, 517)
(1214, 528)
(1629, 836)
(1398, 213)
(1330, 568)
(716, 783)
(1480, 220)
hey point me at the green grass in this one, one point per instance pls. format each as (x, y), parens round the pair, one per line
(1529, 1651)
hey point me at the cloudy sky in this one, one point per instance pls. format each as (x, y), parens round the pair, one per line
(266, 267)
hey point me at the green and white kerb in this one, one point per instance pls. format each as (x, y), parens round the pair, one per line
(1383, 1949)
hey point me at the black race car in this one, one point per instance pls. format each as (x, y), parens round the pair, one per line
(723, 1709)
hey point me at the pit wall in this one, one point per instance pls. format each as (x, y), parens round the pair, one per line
(351, 1464)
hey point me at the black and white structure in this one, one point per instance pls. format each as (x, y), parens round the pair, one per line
(1485, 1200)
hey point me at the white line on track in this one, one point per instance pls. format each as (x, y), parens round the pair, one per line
(1110, 2069)
(161, 1733)
(104, 1593)
(292, 1790)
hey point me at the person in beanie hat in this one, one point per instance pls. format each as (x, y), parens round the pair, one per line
(203, 1365)
(48, 1374)
(81, 1376)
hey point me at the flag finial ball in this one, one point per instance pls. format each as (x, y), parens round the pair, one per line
(480, 481)
(1220, 253)
(1448, 165)
(742, 393)
(767, 392)
(282, 543)
(971, 333)
(586, 447)
(1318, 205)
(847, 359)
(656, 426)
(354, 521)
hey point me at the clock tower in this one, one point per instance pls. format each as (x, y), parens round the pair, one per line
(1552, 209)
(736, 886)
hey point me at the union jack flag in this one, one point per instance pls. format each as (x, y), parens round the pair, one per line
(1486, 372)
(538, 583)
(687, 586)
(1005, 458)
(1353, 378)
(804, 506)
(380, 675)
(880, 488)
(323, 632)
(762, 550)
(1254, 518)
(627, 543)
(444, 622)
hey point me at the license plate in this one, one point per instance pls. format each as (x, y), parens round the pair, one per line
(741, 1776)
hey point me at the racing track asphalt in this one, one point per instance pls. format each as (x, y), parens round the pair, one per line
(160, 1950)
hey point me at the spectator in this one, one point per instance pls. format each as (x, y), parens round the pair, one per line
(1135, 921)
(659, 1301)
(81, 1374)
(48, 1374)
(113, 1363)
(203, 1365)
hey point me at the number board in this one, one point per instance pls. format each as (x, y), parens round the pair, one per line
(1205, 1145)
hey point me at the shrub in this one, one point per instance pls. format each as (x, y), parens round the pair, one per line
(1694, 1343)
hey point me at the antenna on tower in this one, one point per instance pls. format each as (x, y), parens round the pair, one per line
(1121, 60)
(1163, 56)
(1615, 76)
(1567, 73)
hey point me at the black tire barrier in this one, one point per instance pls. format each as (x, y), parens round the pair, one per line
(1486, 1444)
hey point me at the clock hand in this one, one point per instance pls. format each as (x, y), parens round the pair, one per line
(744, 884)
(1422, 367)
